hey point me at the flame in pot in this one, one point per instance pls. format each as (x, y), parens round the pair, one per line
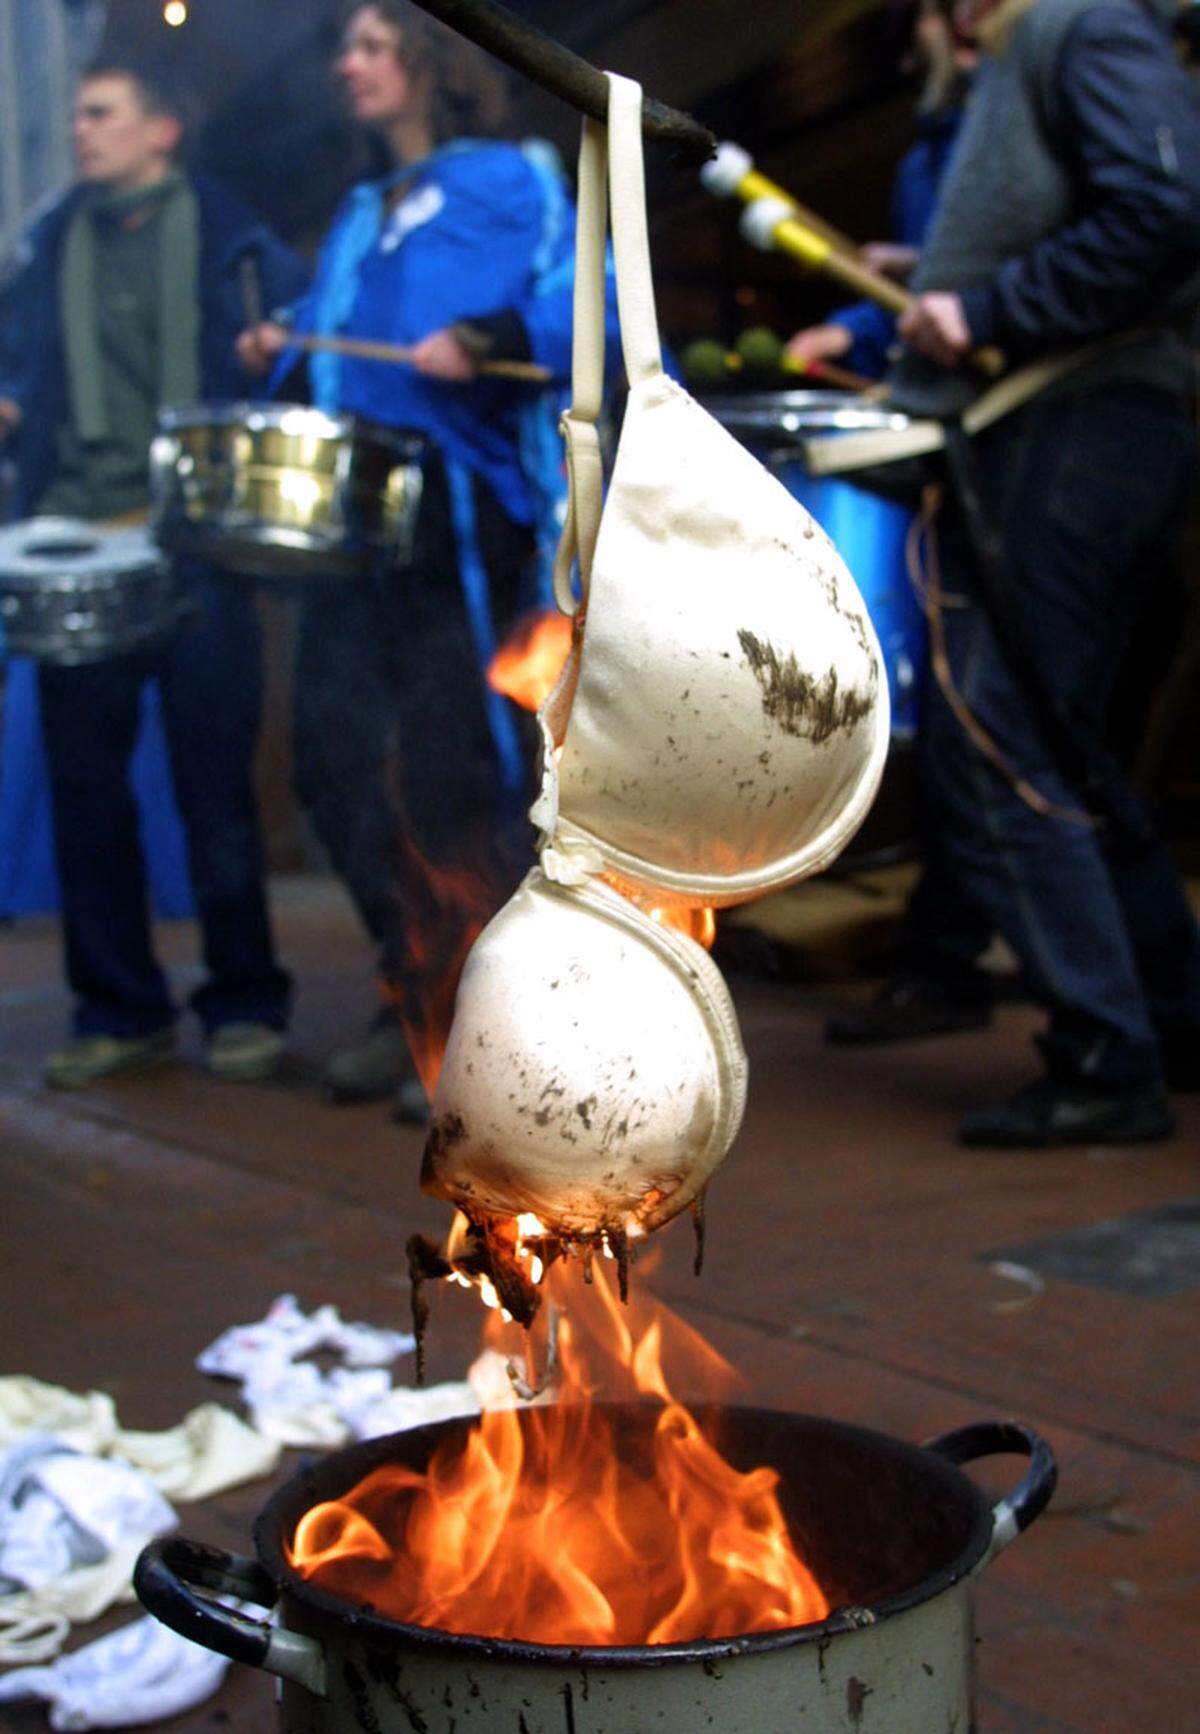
(557, 1527)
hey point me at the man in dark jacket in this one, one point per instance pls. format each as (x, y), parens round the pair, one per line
(130, 298)
(1070, 219)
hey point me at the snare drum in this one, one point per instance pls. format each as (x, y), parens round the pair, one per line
(74, 592)
(866, 515)
(277, 491)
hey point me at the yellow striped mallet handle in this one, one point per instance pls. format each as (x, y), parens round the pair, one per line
(774, 220)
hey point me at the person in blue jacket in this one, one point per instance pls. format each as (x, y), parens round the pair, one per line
(129, 298)
(416, 774)
(859, 336)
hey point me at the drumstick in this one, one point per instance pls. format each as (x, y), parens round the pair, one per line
(367, 349)
(829, 371)
(773, 219)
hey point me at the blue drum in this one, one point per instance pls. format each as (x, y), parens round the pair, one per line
(867, 515)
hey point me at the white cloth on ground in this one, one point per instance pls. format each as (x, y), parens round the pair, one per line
(291, 1399)
(78, 1505)
(140, 1674)
(60, 1509)
(71, 1527)
(209, 1450)
(287, 1333)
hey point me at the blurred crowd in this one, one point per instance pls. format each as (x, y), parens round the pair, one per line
(1047, 231)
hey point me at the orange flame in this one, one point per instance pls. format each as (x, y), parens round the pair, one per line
(529, 662)
(549, 1527)
(446, 907)
(698, 924)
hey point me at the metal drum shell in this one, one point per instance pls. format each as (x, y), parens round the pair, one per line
(73, 592)
(283, 492)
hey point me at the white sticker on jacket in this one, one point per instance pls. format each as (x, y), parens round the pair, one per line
(419, 207)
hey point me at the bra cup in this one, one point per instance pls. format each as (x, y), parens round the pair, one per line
(594, 1073)
(726, 727)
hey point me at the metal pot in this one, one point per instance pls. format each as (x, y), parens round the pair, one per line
(894, 1533)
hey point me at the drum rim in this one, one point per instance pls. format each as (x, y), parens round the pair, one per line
(126, 552)
(256, 417)
(797, 415)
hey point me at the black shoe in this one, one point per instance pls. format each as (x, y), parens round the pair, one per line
(1181, 1065)
(1059, 1111)
(901, 1011)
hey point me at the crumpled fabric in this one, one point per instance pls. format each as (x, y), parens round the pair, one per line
(80, 1497)
(87, 1422)
(291, 1400)
(34, 1624)
(60, 1509)
(287, 1333)
(209, 1450)
(142, 1673)
(71, 1527)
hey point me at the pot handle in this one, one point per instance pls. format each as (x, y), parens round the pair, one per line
(166, 1578)
(1017, 1510)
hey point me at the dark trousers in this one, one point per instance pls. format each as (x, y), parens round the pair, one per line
(1088, 492)
(209, 674)
(395, 758)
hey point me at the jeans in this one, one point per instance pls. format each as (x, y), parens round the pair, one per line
(395, 760)
(1088, 492)
(210, 678)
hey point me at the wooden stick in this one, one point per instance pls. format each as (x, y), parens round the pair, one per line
(832, 374)
(366, 349)
(560, 71)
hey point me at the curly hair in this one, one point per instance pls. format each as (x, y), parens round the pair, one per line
(468, 92)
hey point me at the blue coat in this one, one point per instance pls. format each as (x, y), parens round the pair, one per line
(479, 229)
(32, 357)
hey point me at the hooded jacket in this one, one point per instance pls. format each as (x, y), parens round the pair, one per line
(33, 359)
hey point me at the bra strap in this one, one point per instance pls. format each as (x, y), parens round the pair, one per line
(585, 470)
(631, 239)
(621, 143)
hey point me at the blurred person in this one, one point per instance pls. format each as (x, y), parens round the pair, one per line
(1070, 218)
(130, 299)
(861, 335)
(939, 987)
(415, 775)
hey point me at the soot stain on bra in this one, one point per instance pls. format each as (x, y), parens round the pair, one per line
(802, 705)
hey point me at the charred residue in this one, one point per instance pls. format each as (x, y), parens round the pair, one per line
(800, 703)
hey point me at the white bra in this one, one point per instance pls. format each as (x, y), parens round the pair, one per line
(721, 725)
(719, 729)
(594, 1073)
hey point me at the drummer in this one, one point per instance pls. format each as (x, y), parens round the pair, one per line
(861, 335)
(416, 778)
(131, 299)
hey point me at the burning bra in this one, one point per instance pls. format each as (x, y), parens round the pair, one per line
(594, 1075)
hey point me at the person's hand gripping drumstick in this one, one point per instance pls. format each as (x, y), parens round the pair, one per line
(441, 355)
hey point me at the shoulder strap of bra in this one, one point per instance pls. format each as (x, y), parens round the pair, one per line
(621, 144)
